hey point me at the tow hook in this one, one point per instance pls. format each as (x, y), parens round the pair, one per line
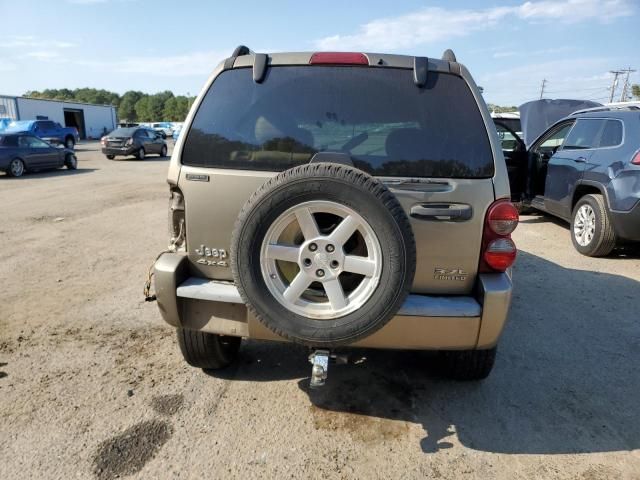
(319, 360)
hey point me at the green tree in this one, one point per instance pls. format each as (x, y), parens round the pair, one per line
(142, 109)
(635, 90)
(127, 106)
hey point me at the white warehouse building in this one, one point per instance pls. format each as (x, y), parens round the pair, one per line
(91, 120)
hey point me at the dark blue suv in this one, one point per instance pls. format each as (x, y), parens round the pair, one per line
(585, 169)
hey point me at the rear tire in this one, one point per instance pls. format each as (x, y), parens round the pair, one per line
(163, 152)
(590, 214)
(466, 365)
(207, 350)
(111, 157)
(16, 168)
(71, 162)
(140, 154)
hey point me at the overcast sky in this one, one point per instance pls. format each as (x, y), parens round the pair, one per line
(509, 46)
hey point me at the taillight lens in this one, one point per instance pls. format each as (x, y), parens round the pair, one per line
(498, 250)
(502, 218)
(500, 254)
(338, 58)
(636, 158)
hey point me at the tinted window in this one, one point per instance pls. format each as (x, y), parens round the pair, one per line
(377, 115)
(583, 135)
(122, 132)
(9, 141)
(612, 134)
(32, 142)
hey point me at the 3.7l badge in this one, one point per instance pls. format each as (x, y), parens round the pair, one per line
(450, 274)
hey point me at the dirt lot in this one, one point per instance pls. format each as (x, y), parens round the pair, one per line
(92, 383)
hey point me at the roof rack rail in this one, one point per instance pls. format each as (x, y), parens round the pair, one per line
(241, 50)
(609, 108)
(449, 56)
(238, 52)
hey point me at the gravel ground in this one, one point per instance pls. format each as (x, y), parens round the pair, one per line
(92, 384)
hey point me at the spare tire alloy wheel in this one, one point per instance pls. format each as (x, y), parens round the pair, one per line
(323, 254)
(320, 258)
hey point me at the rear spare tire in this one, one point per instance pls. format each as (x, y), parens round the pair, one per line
(323, 254)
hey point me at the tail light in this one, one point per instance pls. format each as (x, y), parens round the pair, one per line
(636, 158)
(338, 58)
(129, 141)
(498, 250)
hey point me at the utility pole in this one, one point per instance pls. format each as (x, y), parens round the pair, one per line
(614, 85)
(544, 82)
(626, 86)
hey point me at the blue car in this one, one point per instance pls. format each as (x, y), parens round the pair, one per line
(584, 169)
(23, 152)
(47, 130)
(176, 132)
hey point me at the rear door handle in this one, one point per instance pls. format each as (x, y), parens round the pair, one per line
(580, 160)
(448, 212)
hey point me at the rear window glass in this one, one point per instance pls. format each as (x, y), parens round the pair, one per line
(123, 132)
(378, 116)
(612, 134)
(583, 135)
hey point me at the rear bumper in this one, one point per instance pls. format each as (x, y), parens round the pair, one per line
(627, 224)
(424, 322)
(118, 150)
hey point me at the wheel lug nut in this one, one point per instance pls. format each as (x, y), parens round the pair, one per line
(307, 262)
(313, 247)
(320, 273)
(330, 248)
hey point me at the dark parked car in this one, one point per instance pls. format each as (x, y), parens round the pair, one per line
(20, 153)
(137, 141)
(585, 169)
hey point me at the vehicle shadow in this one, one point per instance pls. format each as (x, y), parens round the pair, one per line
(152, 158)
(565, 380)
(59, 172)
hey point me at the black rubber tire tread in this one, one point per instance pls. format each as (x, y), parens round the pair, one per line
(207, 350)
(141, 154)
(466, 365)
(163, 151)
(68, 164)
(604, 240)
(111, 157)
(278, 319)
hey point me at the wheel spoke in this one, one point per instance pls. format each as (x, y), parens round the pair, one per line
(334, 292)
(344, 230)
(297, 287)
(283, 252)
(360, 265)
(307, 223)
